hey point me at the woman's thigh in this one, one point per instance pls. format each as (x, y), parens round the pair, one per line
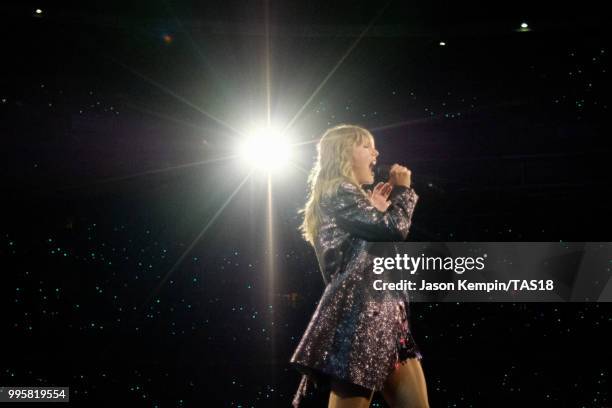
(405, 387)
(345, 395)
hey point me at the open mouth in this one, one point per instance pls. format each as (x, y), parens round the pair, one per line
(372, 165)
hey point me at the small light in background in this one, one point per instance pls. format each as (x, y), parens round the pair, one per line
(168, 39)
(523, 28)
(442, 43)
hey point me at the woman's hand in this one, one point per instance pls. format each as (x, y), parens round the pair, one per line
(379, 196)
(399, 176)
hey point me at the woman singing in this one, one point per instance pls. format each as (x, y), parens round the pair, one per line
(358, 339)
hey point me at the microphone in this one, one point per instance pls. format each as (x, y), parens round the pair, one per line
(381, 174)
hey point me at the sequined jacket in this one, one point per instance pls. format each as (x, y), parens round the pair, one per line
(356, 334)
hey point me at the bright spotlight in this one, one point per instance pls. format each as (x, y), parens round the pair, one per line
(442, 43)
(38, 11)
(524, 25)
(266, 148)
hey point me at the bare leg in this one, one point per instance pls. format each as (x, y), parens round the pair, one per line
(405, 387)
(345, 395)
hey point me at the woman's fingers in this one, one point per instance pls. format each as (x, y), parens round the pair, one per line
(382, 189)
(387, 189)
(384, 192)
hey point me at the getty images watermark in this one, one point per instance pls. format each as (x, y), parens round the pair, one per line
(458, 265)
(495, 271)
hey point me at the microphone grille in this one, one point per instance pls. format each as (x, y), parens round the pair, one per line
(381, 172)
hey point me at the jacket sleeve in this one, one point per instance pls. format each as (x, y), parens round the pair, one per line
(354, 212)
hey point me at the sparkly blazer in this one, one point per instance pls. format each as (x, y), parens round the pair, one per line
(356, 334)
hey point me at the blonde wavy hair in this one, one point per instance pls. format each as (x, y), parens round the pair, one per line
(334, 165)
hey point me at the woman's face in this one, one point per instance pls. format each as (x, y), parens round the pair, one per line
(364, 159)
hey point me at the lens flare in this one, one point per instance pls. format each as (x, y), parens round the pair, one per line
(267, 149)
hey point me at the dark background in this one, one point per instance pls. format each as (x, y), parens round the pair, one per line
(128, 278)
